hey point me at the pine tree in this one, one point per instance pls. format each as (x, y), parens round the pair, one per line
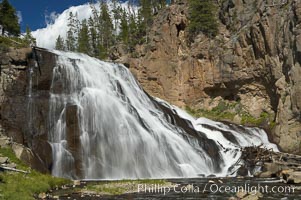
(157, 5)
(93, 41)
(202, 18)
(9, 19)
(124, 28)
(83, 38)
(105, 30)
(145, 14)
(71, 37)
(134, 33)
(29, 39)
(60, 44)
(117, 14)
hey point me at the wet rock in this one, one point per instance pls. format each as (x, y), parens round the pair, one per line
(73, 137)
(242, 171)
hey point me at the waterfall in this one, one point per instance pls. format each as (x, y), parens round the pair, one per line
(30, 106)
(104, 126)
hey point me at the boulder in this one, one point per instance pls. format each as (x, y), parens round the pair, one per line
(3, 160)
(242, 171)
(28, 157)
(293, 177)
(4, 141)
(273, 168)
(266, 174)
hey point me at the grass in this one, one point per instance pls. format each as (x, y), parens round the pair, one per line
(120, 187)
(247, 119)
(8, 152)
(226, 111)
(105, 188)
(223, 111)
(25, 186)
(6, 42)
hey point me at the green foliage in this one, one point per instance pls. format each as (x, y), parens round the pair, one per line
(146, 12)
(202, 18)
(29, 39)
(223, 111)
(8, 152)
(83, 38)
(60, 44)
(9, 19)
(71, 38)
(7, 42)
(106, 188)
(264, 118)
(24, 186)
(227, 111)
(106, 28)
(93, 39)
(99, 33)
(124, 28)
(120, 186)
(103, 54)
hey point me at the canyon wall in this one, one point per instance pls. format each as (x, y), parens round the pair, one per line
(254, 60)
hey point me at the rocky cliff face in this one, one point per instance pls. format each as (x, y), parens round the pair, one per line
(255, 60)
(23, 116)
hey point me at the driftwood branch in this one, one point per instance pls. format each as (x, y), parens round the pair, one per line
(13, 169)
(257, 156)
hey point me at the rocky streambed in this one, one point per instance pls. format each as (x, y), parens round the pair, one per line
(193, 188)
(279, 177)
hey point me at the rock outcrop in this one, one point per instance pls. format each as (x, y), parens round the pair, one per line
(254, 60)
(24, 102)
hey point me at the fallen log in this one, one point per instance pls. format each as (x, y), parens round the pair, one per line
(13, 169)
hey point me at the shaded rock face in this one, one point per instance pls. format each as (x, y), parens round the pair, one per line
(254, 60)
(24, 109)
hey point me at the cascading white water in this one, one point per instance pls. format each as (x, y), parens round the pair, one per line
(123, 133)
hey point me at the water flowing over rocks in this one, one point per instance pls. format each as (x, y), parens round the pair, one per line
(84, 118)
(255, 60)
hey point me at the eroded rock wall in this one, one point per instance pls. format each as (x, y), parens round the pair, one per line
(24, 109)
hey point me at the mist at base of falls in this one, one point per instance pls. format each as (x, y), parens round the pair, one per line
(104, 126)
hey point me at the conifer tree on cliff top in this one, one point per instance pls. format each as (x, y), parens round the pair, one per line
(202, 18)
(60, 44)
(9, 19)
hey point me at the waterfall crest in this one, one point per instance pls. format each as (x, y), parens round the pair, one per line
(104, 126)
